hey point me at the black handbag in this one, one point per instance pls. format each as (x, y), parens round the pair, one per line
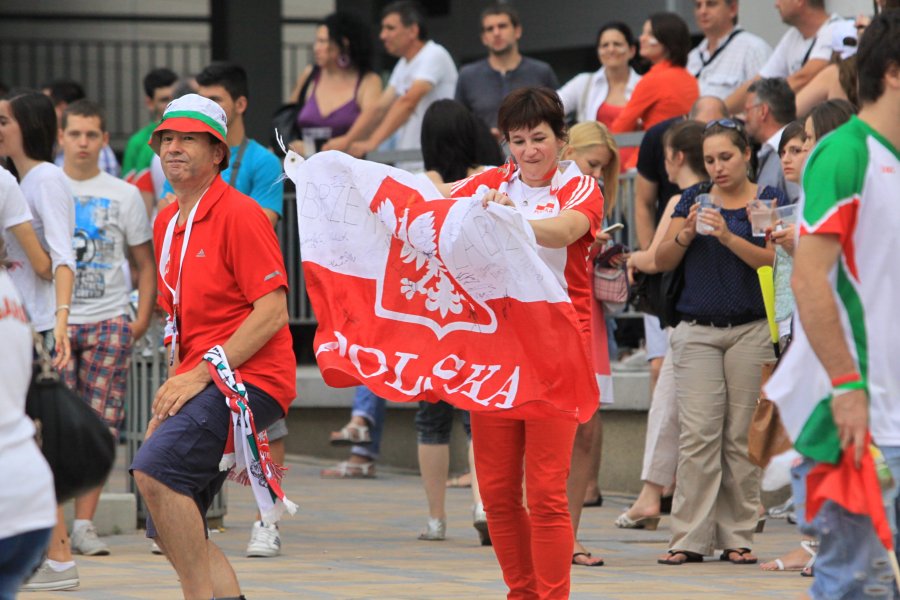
(671, 284)
(77, 444)
(284, 120)
(645, 293)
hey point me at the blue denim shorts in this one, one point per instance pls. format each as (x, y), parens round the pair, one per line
(184, 451)
(851, 564)
(434, 421)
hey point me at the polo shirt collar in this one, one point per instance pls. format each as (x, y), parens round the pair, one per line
(211, 197)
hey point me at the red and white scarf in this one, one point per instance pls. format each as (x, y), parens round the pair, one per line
(249, 461)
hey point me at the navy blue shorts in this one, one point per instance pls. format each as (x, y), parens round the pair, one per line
(184, 451)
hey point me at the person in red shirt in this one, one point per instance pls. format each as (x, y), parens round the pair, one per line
(222, 283)
(668, 89)
(564, 208)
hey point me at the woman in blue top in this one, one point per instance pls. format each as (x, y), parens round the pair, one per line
(718, 350)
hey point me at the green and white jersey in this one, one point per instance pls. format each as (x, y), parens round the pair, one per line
(851, 189)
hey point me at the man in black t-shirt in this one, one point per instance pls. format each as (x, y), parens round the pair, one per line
(653, 188)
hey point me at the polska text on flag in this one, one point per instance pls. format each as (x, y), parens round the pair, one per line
(424, 298)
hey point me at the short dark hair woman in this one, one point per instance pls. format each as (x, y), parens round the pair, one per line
(564, 208)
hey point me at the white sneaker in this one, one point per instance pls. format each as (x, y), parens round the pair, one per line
(86, 542)
(155, 549)
(46, 579)
(264, 541)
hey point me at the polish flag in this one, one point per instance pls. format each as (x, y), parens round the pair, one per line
(419, 297)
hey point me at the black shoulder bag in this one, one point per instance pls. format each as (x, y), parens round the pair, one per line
(284, 120)
(76, 443)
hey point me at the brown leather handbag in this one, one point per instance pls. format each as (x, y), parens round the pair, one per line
(767, 436)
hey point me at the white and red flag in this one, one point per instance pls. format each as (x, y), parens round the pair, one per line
(424, 298)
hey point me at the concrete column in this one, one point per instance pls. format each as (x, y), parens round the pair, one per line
(249, 34)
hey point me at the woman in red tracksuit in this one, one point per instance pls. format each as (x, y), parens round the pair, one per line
(564, 208)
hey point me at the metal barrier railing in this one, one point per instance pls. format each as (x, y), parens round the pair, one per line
(112, 71)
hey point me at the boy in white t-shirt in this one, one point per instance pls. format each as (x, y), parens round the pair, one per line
(425, 73)
(110, 224)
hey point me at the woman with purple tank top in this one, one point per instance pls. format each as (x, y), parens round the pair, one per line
(340, 85)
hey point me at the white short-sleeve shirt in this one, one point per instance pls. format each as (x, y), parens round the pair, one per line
(735, 61)
(13, 207)
(110, 216)
(27, 501)
(46, 189)
(432, 64)
(794, 50)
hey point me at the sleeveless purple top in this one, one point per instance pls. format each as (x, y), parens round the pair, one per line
(340, 120)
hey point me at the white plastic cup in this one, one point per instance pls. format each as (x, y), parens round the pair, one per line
(761, 216)
(314, 138)
(706, 202)
(785, 215)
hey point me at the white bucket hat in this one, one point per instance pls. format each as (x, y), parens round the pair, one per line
(190, 114)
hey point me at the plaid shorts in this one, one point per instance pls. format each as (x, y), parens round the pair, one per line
(98, 369)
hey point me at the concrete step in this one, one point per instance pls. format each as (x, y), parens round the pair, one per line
(116, 514)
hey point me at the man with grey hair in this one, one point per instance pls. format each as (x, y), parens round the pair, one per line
(769, 107)
(728, 55)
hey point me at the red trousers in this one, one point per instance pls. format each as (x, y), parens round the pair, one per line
(533, 546)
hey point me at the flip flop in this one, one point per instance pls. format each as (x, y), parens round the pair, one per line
(741, 552)
(689, 557)
(587, 555)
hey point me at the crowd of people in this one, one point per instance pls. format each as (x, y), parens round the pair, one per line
(728, 129)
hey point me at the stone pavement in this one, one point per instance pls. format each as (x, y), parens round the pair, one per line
(357, 540)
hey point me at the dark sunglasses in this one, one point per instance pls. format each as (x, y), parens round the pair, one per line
(726, 123)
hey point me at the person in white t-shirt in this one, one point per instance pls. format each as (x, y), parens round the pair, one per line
(27, 136)
(27, 505)
(425, 73)
(15, 220)
(803, 51)
(728, 55)
(110, 224)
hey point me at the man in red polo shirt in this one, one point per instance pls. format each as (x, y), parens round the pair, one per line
(222, 283)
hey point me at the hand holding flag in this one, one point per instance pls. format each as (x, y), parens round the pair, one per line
(851, 415)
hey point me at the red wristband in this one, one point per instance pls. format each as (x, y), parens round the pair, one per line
(848, 378)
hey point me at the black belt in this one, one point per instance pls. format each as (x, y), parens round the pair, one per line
(729, 321)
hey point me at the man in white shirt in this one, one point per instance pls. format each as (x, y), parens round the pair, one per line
(803, 51)
(728, 55)
(769, 107)
(110, 224)
(424, 73)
